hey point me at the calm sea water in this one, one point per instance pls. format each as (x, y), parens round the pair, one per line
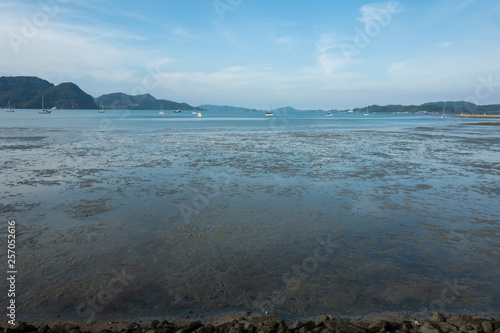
(132, 214)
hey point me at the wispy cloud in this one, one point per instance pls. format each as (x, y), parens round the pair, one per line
(180, 32)
(445, 44)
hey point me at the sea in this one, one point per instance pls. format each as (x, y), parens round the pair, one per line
(133, 214)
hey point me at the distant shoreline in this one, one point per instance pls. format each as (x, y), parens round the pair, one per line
(495, 123)
(476, 116)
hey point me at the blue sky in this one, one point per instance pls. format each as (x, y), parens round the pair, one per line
(253, 53)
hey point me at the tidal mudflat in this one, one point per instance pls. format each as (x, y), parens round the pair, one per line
(155, 216)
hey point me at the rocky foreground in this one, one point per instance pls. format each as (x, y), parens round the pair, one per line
(323, 324)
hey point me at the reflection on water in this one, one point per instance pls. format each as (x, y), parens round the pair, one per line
(297, 216)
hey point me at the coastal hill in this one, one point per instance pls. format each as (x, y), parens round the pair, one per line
(434, 107)
(139, 102)
(25, 92)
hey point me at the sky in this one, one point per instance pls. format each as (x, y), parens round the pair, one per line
(253, 53)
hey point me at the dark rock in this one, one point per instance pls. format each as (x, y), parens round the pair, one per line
(465, 328)
(248, 327)
(446, 327)
(155, 323)
(320, 320)
(394, 326)
(23, 327)
(150, 331)
(190, 327)
(437, 317)
(281, 328)
(488, 326)
(106, 331)
(309, 325)
(295, 326)
(224, 328)
(133, 326)
(406, 326)
(497, 330)
(273, 321)
(316, 330)
(71, 328)
(43, 329)
(205, 329)
(477, 327)
(163, 323)
(378, 326)
(429, 327)
(330, 324)
(346, 327)
(460, 319)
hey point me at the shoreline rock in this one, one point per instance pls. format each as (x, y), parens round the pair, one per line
(436, 323)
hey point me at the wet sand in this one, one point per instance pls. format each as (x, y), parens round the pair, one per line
(295, 223)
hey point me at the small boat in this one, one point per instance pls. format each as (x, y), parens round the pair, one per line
(177, 111)
(44, 111)
(198, 113)
(161, 111)
(8, 108)
(442, 114)
(270, 113)
(101, 109)
(329, 113)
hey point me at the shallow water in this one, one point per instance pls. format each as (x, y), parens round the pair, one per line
(130, 214)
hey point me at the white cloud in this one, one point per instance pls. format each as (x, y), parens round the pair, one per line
(380, 12)
(397, 67)
(180, 32)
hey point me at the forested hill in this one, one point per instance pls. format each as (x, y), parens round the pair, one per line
(25, 92)
(139, 102)
(434, 107)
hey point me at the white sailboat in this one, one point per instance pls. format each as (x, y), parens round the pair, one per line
(44, 111)
(199, 114)
(270, 113)
(161, 111)
(7, 108)
(101, 109)
(329, 112)
(442, 114)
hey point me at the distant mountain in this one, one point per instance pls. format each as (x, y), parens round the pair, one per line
(139, 102)
(290, 109)
(433, 107)
(25, 92)
(226, 108)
